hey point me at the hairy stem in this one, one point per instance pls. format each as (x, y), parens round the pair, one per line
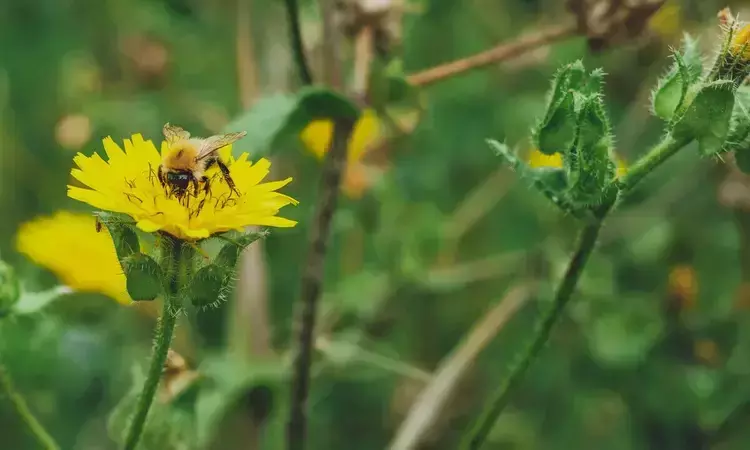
(178, 257)
(653, 159)
(295, 35)
(24, 412)
(494, 55)
(586, 244)
(312, 281)
(483, 425)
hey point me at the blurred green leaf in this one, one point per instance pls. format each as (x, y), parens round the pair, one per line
(32, 302)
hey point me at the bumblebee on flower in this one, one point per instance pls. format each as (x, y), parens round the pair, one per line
(199, 189)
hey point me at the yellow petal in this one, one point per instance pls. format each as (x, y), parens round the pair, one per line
(68, 245)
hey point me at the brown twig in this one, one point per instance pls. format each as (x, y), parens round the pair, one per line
(363, 56)
(312, 280)
(437, 394)
(494, 55)
(331, 45)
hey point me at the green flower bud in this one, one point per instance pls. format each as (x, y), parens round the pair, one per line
(143, 275)
(556, 132)
(669, 95)
(122, 233)
(588, 164)
(209, 286)
(709, 116)
(733, 60)
(10, 289)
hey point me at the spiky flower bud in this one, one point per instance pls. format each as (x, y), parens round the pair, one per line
(733, 60)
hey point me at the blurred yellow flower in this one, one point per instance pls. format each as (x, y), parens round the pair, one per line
(367, 131)
(127, 183)
(667, 21)
(536, 159)
(68, 245)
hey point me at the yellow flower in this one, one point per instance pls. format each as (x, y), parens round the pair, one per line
(367, 131)
(536, 159)
(127, 183)
(68, 245)
(667, 20)
(740, 45)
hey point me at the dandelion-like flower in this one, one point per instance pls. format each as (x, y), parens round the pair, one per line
(68, 245)
(129, 182)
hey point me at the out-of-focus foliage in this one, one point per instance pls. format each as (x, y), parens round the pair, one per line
(654, 351)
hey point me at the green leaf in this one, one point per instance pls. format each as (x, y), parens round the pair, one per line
(229, 381)
(230, 252)
(10, 288)
(708, 117)
(167, 427)
(264, 122)
(559, 130)
(143, 277)
(32, 302)
(502, 150)
(739, 132)
(320, 103)
(556, 131)
(273, 118)
(669, 95)
(588, 164)
(121, 230)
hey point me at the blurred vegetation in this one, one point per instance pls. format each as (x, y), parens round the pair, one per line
(653, 353)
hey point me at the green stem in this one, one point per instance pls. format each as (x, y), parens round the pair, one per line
(586, 245)
(178, 259)
(23, 410)
(483, 425)
(658, 154)
(295, 35)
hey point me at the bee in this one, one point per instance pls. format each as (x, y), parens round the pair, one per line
(188, 158)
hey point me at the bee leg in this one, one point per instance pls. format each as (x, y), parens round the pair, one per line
(196, 186)
(160, 176)
(225, 171)
(206, 186)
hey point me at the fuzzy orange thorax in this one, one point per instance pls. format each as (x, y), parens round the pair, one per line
(182, 155)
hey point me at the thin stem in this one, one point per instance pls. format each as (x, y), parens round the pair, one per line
(494, 55)
(586, 245)
(653, 159)
(483, 425)
(312, 281)
(23, 410)
(331, 45)
(295, 35)
(178, 258)
(363, 56)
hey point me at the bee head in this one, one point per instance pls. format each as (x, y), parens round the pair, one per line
(179, 180)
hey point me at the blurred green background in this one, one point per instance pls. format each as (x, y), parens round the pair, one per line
(654, 352)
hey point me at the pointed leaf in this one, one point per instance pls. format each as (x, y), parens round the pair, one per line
(708, 117)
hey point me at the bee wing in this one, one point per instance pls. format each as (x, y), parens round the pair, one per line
(173, 133)
(214, 143)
